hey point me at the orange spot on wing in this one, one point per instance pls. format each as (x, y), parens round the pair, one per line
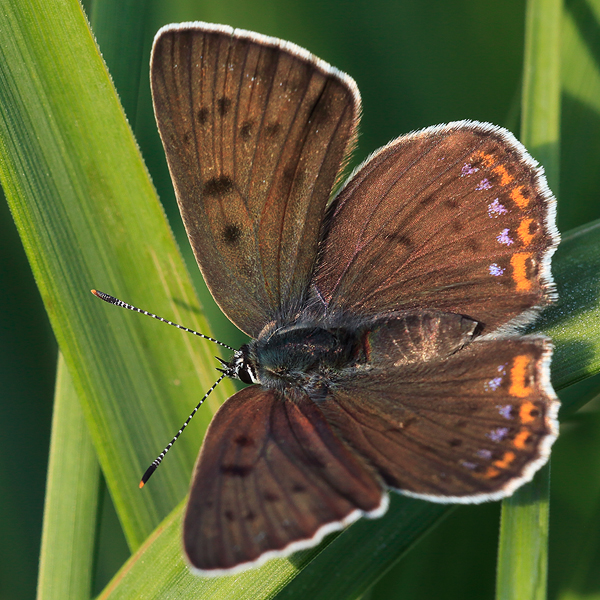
(521, 439)
(525, 412)
(518, 198)
(491, 472)
(487, 159)
(518, 377)
(506, 460)
(505, 177)
(523, 231)
(520, 272)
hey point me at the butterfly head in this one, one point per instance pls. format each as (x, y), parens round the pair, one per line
(242, 366)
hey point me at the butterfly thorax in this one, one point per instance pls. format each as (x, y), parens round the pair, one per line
(298, 355)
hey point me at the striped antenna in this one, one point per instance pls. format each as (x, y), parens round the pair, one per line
(112, 300)
(159, 458)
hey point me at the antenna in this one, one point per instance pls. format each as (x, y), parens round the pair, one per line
(225, 372)
(159, 458)
(112, 300)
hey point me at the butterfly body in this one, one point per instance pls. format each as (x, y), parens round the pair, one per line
(386, 346)
(314, 358)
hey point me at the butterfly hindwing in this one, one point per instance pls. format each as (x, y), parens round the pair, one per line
(456, 218)
(255, 132)
(271, 478)
(467, 428)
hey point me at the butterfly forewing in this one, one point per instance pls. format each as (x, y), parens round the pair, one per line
(455, 218)
(255, 131)
(271, 478)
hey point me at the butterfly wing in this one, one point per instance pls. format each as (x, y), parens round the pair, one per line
(469, 428)
(271, 478)
(255, 131)
(456, 218)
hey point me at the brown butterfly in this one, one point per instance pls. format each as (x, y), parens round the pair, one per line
(386, 352)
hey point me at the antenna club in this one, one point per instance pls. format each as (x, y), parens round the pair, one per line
(106, 297)
(148, 474)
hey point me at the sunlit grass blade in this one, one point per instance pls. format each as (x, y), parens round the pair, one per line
(88, 217)
(70, 511)
(522, 570)
(523, 547)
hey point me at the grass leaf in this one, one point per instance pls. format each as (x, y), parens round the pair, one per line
(523, 545)
(68, 540)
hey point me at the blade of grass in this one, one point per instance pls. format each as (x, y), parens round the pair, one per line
(70, 510)
(68, 573)
(522, 568)
(119, 28)
(88, 216)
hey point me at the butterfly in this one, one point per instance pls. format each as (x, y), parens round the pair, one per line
(386, 351)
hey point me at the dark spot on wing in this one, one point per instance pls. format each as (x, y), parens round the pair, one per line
(427, 200)
(229, 515)
(231, 235)
(203, 115)
(457, 225)
(218, 186)
(271, 497)
(236, 470)
(451, 203)
(243, 440)
(186, 138)
(533, 228)
(224, 105)
(298, 488)
(246, 130)
(314, 461)
(473, 245)
(250, 516)
(294, 174)
(272, 129)
(400, 239)
(454, 443)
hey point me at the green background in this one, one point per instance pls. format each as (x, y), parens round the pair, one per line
(415, 66)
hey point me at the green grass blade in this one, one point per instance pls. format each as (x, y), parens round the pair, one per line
(523, 547)
(119, 27)
(88, 216)
(540, 105)
(573, 322)
(70, 511)
(522, 568)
